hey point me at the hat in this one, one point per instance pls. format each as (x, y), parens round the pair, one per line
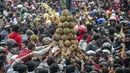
(103, 64)
(82, 29)
(19, 6)
(94, 67)
(101, 20)
(112, 18)
(46, 40)
(127, 35)
(91, 3)
(34, 38)
(91, 53)
(2, 48)
(9, 0)
(29, 32)
(93, 72)
(106, 45)
(113, 14)
(106, 51)
(11, 43)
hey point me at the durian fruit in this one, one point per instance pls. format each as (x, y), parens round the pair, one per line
(72, 31)
(60, 25)
(63, 18)
(66, 30)
(67, 43)
(71, 24)
(56, 37)
(65, 24)
(65, 12)
(74, 42)
(69, 18)
(64, 37)
(59, 31)
(70, 36)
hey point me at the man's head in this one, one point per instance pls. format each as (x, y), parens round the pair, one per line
(50, 61)
(12, 46)
(31, 46)
(96, 37)
(42, 70)
(70, 68)
(3, 58)
(54, 68)
(119, 70)
(15, 28)
(22, 68)
(31, 66)
(127, 37)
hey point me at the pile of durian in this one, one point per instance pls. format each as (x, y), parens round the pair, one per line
(65, 31)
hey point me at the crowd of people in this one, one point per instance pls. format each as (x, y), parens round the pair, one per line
(102, 28)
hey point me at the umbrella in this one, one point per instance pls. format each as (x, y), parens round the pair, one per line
(101, 20)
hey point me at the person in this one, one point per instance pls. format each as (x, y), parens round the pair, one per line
(93, 45)
(31, 66)
(42, 70)
(15, 35)
(83, 43)
(22, 68)
(2, 66)
(54, 68)
(127, 40)
(120, 47)
(1, 6)
(102, 47)
(12, 49)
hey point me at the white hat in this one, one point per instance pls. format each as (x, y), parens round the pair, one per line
(113, 14)
(106, 51)
(91, 52)
(10, 0)
(19, 6)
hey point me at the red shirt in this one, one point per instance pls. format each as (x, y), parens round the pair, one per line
(16, 37)
(79, 38)
(24, 52)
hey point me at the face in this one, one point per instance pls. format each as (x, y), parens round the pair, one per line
(34, 47)
(2, 69)
(127, 39)
(112, 22)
